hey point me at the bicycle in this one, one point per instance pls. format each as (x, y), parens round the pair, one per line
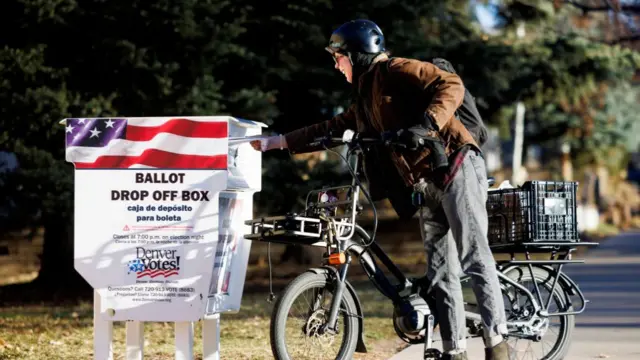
(330, 222)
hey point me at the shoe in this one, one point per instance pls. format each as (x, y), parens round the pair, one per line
(502, 351)
(461, 356)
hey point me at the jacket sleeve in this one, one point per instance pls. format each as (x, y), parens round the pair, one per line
(298, 140)
(447, 88)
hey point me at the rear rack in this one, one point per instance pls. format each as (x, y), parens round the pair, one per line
(539, 246)
(560, 256)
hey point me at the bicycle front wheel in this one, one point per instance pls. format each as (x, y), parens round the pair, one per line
(300, 313)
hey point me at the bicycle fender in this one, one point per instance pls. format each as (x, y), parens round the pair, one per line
(360, 347)
(572, 287)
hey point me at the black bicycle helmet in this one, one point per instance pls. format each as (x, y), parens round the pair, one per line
(357, 36)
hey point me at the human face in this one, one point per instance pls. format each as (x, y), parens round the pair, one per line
(344, 65)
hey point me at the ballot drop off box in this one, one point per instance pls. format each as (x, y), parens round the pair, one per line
(159, 211)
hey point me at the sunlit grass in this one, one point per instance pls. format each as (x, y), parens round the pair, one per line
(41, 332)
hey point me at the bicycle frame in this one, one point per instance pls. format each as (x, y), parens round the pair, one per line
(337, 236)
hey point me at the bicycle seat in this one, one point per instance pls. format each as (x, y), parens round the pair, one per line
(491, 181)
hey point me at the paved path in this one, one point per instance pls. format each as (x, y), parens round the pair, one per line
(610, 326)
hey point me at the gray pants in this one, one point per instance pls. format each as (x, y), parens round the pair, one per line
(455, 238)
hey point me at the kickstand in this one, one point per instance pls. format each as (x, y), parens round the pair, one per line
(429, 352)
(272, 296)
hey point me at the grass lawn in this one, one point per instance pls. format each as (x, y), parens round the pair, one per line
(41, 332)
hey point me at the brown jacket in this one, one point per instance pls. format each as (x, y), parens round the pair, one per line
(396, 97)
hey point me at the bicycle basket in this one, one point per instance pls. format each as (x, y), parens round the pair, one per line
(537, 212)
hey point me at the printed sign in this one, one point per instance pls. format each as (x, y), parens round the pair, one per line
(146, 212)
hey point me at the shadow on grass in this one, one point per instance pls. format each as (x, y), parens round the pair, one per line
(375, 305)
(38, 292)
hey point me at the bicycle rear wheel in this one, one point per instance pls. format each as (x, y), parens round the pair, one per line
(555, 330)
(299, 314)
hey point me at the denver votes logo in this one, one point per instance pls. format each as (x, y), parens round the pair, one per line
(154, 263)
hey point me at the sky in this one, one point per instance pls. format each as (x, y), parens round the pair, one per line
(8, 161)
(486, 15)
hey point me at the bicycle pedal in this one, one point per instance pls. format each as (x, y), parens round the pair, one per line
(432, 354)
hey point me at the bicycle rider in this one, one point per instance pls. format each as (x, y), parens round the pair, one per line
(404, 98)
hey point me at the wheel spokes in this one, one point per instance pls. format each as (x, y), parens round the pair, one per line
(304, 333)
(521, 308)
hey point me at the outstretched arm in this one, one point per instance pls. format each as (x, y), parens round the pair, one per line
(297, 140)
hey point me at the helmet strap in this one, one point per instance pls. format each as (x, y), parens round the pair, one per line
(350, 59)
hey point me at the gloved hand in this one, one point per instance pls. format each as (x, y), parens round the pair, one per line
(430, 139)
(403, 136)
(410, 139)
(389, 136)
(270, 143)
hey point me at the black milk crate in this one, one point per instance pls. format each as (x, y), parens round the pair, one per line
(537, 212)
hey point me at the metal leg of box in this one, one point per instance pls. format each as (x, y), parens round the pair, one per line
(102, 332)
(135, 340)
(184, 340)
(211, 337)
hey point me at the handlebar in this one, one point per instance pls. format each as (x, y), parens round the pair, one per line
(353, 139)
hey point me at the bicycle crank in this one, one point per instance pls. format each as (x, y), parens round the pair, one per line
(429, 352)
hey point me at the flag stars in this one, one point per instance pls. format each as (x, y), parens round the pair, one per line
(95, 132)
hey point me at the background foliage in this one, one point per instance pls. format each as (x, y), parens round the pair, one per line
(573, 69)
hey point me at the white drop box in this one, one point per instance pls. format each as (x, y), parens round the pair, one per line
(162, 250)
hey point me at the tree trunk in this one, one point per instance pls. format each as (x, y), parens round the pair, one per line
(57, 272)
(590, 193)
(603, 180)
(567, 166)
(57, 281)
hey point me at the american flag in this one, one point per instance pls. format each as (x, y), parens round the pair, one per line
(155, 142)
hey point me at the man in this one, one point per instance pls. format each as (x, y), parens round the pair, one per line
(406, 98)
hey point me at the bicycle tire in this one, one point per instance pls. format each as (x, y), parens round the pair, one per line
(280, 314)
